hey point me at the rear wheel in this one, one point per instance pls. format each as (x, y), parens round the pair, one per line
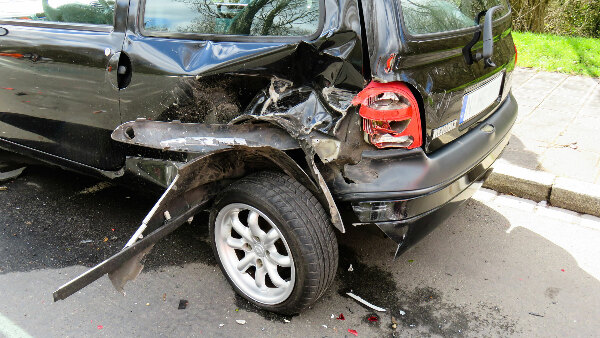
(274, 242)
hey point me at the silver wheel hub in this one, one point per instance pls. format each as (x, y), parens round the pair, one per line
(259, 250)
(254, 254)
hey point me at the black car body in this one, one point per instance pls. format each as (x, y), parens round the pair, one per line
(387, 108)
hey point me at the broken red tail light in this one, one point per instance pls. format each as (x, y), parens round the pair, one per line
(391, 117)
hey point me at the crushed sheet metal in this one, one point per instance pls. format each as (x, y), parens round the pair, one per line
(336, 218)
(201, 138)
(188, 192)
(128, 271)
(203, 141)
(360, 300)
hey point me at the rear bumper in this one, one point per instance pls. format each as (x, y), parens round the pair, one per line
(408, 193)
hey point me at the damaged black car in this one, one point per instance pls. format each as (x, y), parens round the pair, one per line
(274, 114)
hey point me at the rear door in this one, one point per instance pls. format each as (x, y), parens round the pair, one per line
(58, 87)
(421, 42)
(204, 60)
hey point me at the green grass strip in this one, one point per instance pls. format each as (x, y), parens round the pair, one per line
(558, 53)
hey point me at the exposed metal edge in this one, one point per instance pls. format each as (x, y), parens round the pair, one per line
(114, 262)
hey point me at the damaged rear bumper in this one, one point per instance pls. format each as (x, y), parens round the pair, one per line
(407, 194)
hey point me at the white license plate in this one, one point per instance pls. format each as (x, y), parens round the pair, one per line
(478, 100)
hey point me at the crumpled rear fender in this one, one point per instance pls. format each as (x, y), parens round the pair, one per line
(191, 185)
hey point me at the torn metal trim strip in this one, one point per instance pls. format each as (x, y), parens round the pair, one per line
(114, 262)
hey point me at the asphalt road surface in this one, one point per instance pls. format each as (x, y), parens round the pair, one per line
(501, 266)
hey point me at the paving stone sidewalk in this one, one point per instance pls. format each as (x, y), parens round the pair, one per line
(555, 142)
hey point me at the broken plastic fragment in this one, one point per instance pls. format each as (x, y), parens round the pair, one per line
(8, 173)
(221, 325)
(332, 316)
(286, 321)
(373, 319)
(563, 270)
(325, 326)
(402, 313)
(341, 317)
(350, 268)
(182, 304)
(364, 302)
(167, 215)
(353, 332)
(100, 327)
(240, 321)
(85, 241)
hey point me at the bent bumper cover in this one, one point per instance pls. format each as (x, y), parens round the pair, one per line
(409, 193)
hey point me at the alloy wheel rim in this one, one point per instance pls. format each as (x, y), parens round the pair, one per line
(254, 253)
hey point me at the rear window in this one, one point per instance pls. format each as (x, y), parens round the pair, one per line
(436, 16)
(233, 17)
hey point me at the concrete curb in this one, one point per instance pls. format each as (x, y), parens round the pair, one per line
(540, 186)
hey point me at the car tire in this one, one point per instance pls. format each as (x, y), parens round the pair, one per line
(274, 242)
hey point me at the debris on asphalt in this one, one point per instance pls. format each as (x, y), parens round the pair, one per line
(86, 241)
(411, 260)
(394, 323)
(96, 188)
(164, 297)
(3, 188)
(332, 316)
(350, 268)
(563, 270)
(373, 319)
(535, 314)
(183, 303)
(364, 302)
(147, 304)
(221, 325)
(402, 313)
(325, 326)
(240, 321)
(100, 327)
(286, 321)
(105, 239)
(341, 317)
(7, 172)
(353, 332)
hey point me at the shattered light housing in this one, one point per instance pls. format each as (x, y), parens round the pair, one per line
(391, 116)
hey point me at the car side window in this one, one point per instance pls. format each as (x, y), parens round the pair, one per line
(233, 17)
(98, 12)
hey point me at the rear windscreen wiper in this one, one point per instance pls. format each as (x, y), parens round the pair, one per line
(488, 39)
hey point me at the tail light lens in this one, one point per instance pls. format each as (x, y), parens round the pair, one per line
(391, 117)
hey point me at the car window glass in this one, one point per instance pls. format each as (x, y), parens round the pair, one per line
(434, 16)
(235, 17)
(100, 12)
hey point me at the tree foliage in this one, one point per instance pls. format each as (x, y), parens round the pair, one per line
(564, 17)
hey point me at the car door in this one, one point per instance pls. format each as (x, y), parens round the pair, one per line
(58, 77)
(204, 61)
